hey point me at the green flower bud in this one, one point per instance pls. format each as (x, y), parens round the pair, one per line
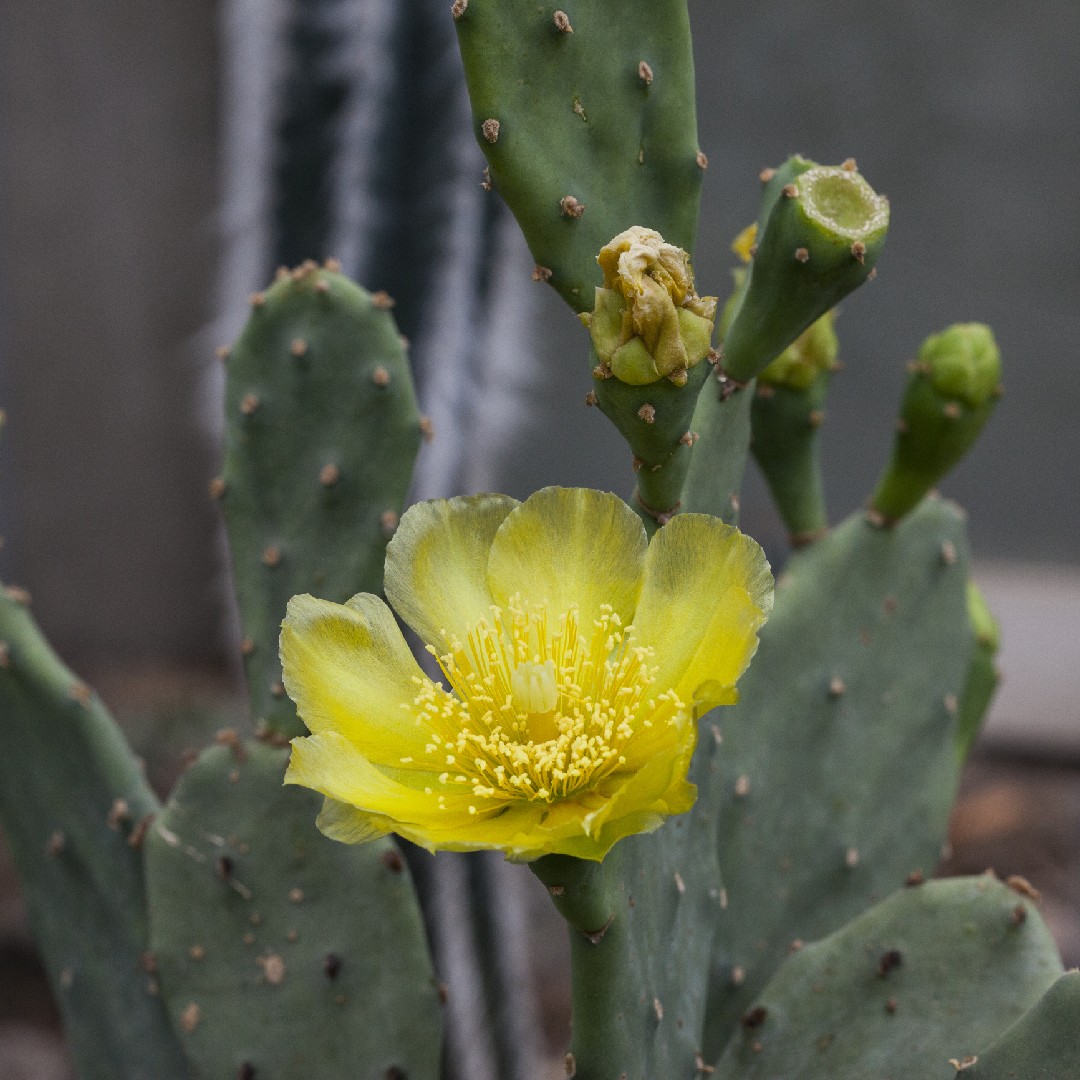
(812, 353)
(950, 395)
(963, 362)
(648, 323)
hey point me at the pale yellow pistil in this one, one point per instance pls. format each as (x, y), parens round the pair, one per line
(537, 715)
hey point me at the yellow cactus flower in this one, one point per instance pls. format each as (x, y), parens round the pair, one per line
(648, 323)
(576, 655)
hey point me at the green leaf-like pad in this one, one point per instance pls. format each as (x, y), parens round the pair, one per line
(926, 977)
(278, 948)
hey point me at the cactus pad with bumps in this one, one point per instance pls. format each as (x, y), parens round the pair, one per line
(850, 705)
(714, 475)
(74, 805)
(281, 953)
(587, 118)
(927, 977)
(847, 707)
(322, 431)
(1044, 1044)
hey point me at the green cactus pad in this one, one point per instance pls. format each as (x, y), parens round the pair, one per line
(821, 233)
(282, 954)
(74, 805)
(322, 431)
(587, 119)
(849, 706)
(1044, 1044)
(953, 390)
(924, 979)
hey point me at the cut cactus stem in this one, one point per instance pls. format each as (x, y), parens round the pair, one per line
(952, 392)
(819, 237)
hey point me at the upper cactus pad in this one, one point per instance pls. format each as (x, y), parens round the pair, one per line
(321, 433)
(587, 119)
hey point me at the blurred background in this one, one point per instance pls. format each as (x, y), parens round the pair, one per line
(157, 161)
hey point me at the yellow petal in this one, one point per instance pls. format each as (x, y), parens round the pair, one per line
(348, 669)
(643, 800)
(334, 766)
(345, 823)
(566, 546)
(707, 591)
(436, 564)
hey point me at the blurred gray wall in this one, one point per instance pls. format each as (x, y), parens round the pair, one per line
(107, 202)
(964, 113)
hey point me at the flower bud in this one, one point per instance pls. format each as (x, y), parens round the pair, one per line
(811, 354)
(648, 323)
(963, 362)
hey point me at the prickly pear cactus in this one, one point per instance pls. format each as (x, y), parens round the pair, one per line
(983, 676)
(233, 940)
(322, 430)
(278, 951)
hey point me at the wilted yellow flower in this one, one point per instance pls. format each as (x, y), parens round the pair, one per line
(648, 323)
(577, 658)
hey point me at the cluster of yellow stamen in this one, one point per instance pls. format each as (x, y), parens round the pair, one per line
(539, 712)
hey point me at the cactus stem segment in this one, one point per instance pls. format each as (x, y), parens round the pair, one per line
(834, 224)
(661, 517)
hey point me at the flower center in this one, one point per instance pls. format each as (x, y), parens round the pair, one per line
(533, 687)
(540, 712)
